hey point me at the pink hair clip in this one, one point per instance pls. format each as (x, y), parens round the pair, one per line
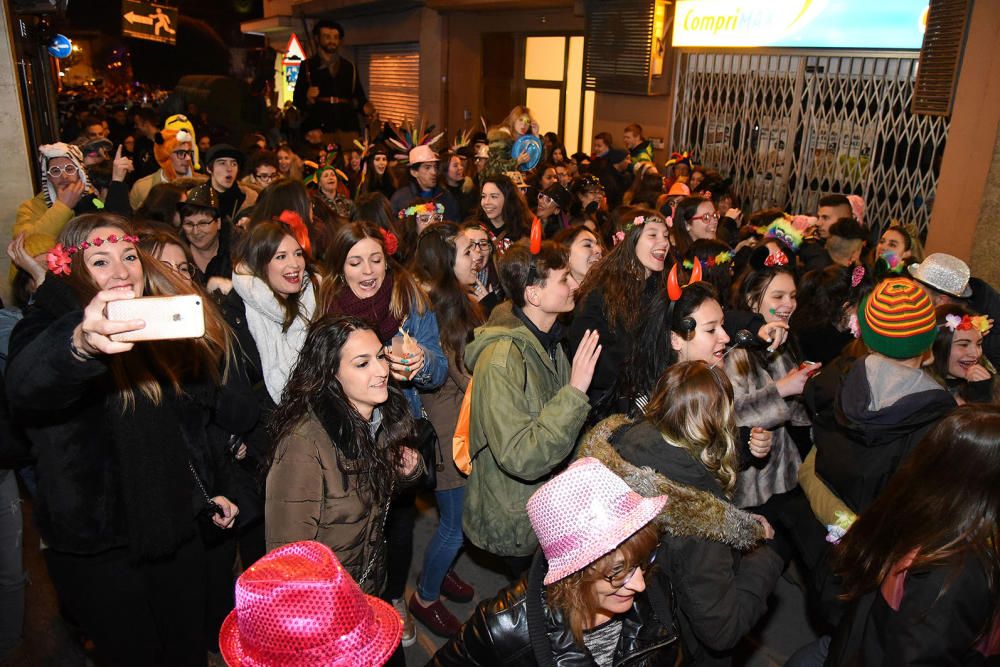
(857, 275)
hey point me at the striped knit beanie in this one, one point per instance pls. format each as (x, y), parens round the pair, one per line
(897, 319)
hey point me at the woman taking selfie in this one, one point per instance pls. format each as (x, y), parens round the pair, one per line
(128, 466)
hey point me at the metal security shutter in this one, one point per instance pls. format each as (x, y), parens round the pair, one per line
(791, 128)
(391, 73)
(940, 57)
(619, 40)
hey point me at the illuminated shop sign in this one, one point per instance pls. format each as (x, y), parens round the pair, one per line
(834, 24)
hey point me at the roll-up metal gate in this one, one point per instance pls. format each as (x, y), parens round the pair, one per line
(790, 128)
(391, 74)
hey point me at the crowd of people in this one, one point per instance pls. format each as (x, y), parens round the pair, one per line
(643, 402)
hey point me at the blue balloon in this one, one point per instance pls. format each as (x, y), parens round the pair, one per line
(60, 46)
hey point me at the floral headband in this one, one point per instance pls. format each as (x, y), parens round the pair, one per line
(429, 208)
(638, 221)
(59, 258)
(717, 260)
(965, 323)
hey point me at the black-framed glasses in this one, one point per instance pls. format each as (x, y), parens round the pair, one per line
(181, 154)
(619, 580)
(57, 171)
(481, 246)
(265, 177)
(198, 226)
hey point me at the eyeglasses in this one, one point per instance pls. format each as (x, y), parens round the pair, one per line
(192, 226)
(69, 170)
(183, 268)
(620, 580)
(481, 246)
(430, 218)
(181, 154)
(707, 217)
(265, 177)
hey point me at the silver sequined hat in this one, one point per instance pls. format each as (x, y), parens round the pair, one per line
(944, 273)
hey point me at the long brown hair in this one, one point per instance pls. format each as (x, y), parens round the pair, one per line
(944, 502)
(692, 406)
(148, 366)
(576, 596)
(433, 265)
(620, 273)
(405, 290)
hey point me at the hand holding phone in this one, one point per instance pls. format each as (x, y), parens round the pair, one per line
(166, 318)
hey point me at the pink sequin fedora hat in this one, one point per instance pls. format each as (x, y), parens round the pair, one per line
(585, 512)
(298, 606)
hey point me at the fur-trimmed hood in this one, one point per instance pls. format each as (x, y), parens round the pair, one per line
(689, 512)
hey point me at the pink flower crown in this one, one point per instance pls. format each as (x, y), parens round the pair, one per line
(429, 208)
(60, 258)
(638, 221)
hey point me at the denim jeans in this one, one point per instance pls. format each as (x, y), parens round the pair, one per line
(445, 544)
(12, 574)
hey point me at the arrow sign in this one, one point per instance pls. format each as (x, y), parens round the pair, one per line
(132, 17)
(142, 20)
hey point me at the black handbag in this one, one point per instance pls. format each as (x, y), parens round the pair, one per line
(425, 441)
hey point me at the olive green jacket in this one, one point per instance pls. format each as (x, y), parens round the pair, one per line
(524, 423)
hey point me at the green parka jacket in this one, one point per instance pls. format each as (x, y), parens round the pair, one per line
(524, 423)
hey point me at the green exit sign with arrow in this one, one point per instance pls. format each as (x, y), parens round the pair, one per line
(147, 21)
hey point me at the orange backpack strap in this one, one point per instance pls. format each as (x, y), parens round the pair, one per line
(460, 441)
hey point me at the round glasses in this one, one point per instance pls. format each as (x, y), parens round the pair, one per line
(707, 217)
(183, 268)
(619, 580)
(57, 171)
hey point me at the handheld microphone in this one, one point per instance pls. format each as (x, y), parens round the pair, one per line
(742, 339)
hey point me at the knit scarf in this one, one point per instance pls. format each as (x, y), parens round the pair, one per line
(375, 308)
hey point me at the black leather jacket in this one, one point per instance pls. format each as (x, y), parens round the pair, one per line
(517, 628)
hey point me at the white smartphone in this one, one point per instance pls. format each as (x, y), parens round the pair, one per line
(166, 317)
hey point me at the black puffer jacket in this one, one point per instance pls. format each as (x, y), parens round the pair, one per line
(719, 592)
(518, 629)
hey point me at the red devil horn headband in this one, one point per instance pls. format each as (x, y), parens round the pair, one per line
(674, 288)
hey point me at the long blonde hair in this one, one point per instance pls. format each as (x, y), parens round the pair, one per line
(692, 406)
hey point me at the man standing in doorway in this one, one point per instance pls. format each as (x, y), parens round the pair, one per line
(328, 90)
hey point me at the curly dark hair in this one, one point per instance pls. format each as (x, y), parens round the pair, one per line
(313, 387)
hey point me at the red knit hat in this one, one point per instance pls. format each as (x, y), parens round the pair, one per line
(897, 319)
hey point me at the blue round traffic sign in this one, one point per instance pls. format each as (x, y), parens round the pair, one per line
(60, 46)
